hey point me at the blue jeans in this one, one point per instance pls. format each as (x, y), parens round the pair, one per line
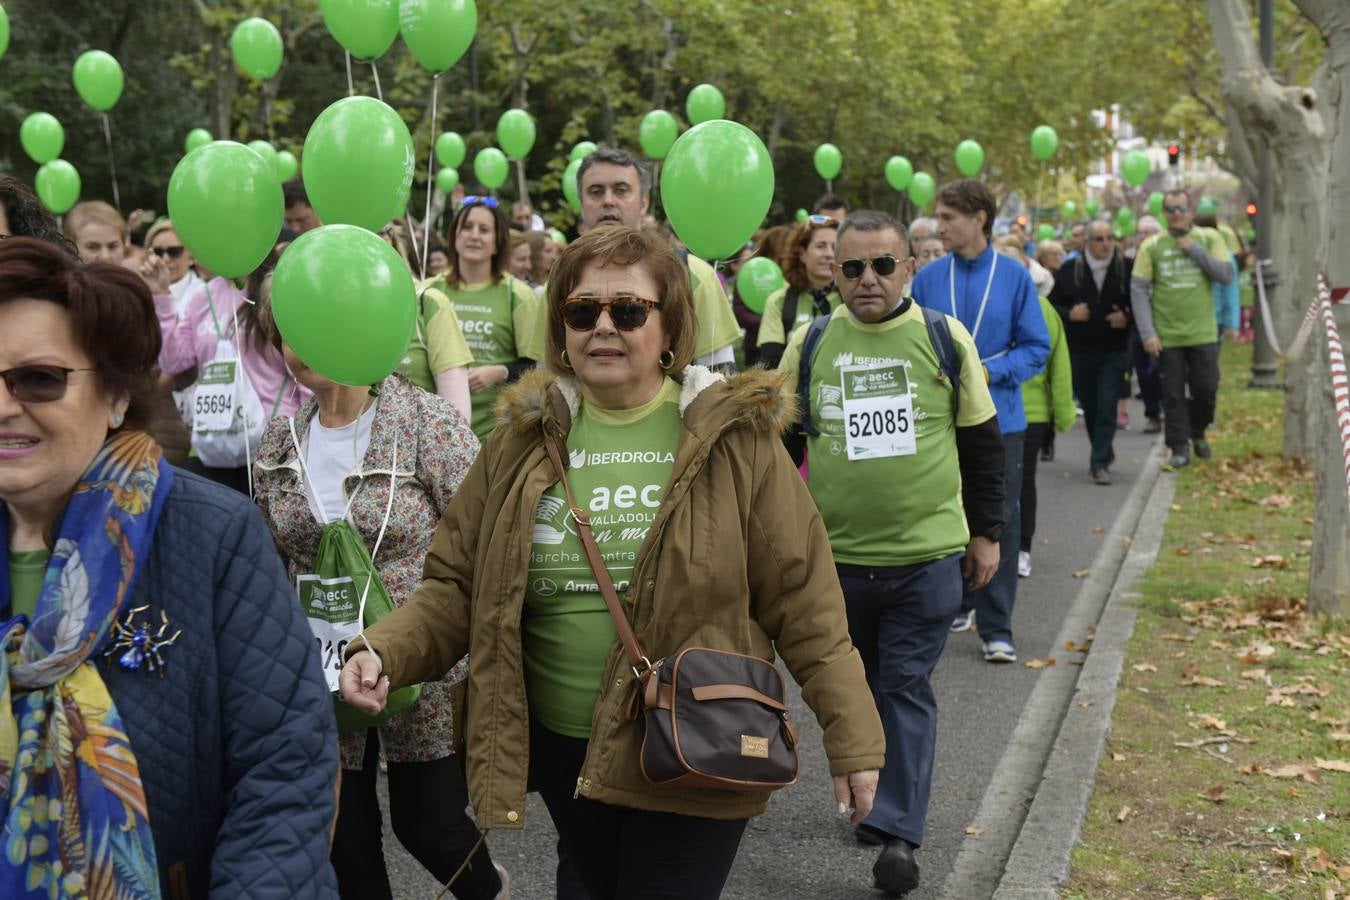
(898, 619)
(1097, 376)
(993, 603)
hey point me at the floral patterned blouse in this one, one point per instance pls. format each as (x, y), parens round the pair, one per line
(436, 446)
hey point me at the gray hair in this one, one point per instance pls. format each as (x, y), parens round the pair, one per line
(872, 220)
(617, 157)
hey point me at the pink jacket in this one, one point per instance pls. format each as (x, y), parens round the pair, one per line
(190, 341)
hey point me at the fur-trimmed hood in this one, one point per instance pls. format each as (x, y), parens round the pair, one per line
(709, 401)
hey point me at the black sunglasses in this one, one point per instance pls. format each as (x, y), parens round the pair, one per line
(1177, 210)
(627, 312)
(37, 384)
(170, 252)
(882, 265)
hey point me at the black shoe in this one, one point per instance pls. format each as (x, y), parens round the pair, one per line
(869, 836)
(1202, 448)
(1154, 426)
(1179, 459)
(1048, 453)
(895, 870)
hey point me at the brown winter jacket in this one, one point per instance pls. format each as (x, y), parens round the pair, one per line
(737, 560)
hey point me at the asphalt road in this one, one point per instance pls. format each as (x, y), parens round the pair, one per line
(800, 848)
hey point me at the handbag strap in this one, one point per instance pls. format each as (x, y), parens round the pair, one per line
(641, 666)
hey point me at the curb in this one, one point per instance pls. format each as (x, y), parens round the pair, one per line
(1000, 837)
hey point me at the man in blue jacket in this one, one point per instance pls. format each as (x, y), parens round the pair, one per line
(997, 302)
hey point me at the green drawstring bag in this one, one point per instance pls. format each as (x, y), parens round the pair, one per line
(331, 598)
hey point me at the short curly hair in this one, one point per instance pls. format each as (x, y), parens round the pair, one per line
(26, 216)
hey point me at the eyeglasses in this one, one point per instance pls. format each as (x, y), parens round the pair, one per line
(882, 265)
(37, 384)
(1100, 237)
(475, 200)
(170, 252)
(822, 220)
(1177, 210)
(627, 312)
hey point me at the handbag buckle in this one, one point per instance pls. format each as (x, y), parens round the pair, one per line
(581, 518)
(646, 670)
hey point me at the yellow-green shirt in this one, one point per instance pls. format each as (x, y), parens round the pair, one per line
(771, 323)
(437, 343)
(26, 571)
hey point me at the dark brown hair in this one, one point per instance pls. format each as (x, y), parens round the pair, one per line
(111, 314)
(970, 196)
(794, 270)
(615, 245)
(501, 254)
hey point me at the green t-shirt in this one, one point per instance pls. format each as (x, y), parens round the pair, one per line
(496, 319)
(1183, 298)
(437, 343)
(883, 470)
(620, 462)
(771, 324)
(26, 571)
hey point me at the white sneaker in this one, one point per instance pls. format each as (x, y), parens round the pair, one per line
(999, 652)
(963, 622)
(505, 892)
(1023, 564)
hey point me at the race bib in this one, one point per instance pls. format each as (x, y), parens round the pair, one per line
(332, 606)
(878, 411)
(213, 403)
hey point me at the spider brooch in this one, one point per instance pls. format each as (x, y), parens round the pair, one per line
(139, 646)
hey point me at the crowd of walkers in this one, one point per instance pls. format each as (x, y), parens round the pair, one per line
(239, 593)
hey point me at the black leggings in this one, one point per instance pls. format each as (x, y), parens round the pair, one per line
(426, 804)
(629, 854)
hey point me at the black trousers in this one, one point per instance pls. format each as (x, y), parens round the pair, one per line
(1147, 370)
(1038, 433)
(1196, 368)
(1097, 377)
(628, 854)
(427, 803)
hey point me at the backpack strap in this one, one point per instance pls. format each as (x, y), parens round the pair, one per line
(809, 347)
(940, 336)
(789, 315)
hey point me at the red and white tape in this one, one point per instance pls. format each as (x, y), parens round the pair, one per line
(1340, 387)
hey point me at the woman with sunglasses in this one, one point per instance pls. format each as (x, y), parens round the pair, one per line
(808, 266)
(703, 524)
(164, 243)
(165, 728)
(495, 308)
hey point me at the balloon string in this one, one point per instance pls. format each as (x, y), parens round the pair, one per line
(378, 92)
(1035, 210)
(112, 163)
(431, 182)
(351, 87)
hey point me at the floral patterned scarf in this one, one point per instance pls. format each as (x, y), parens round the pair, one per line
(75, 820)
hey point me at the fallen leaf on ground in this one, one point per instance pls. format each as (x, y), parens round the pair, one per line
(1340, 736)
(971, 829)
(1333, 765)
(1207, 721)
(1296, 770)
(1183, 638)
(1145, 667)
(1040, 663)
(1202, 681)
(1279, 501)
(1218, 793)
(1123, 814)
(1253, 769)
(1183, 551)
(1283, 856)
(1273, 561)
(1081, 573)
(1074, 647)
(1219, 645)
(1317, 860)
(1117, 757)
(1098, 530)
(1254, 674)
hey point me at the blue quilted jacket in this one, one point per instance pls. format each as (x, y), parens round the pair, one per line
(236, 743)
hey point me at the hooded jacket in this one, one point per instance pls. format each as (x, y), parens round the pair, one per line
(737, 560)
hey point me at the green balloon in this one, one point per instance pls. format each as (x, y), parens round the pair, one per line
(801, 215)
(287, 165)
(581, 151)
(256, 45)
(446, 179)
(571, 190)
(490, 168)
(1092, 207)
(4, 31)
(1123, 215)
(365, 28)
(1207, 206)
(197, 137)
(757, 279)
(922, 189)
(1128, 228)
(450, 149)
(268, 153)
(969, 158)
(657, 133)
(42, 137)
(515, 133)
(438, 32)
(899, 171)
(704, 104)
(1117, 232)
(1044, 142)
(1045, 231)
(1155, 203)
(717, 184)
(344, 303)
(226, 205)
(358, 163)
(828, 161)
(1134, 168)
(1069, 209)
(58, 186)
(98, 79)
(558, 236)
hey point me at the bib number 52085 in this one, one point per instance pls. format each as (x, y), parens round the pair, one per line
(878, 422)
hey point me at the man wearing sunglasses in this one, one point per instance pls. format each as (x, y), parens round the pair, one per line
(998, 304)
(615, 188)
(1171, 290)
(906, 468)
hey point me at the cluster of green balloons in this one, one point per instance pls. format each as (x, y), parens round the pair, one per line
(359, 163)
(705, 104)
(1135, 168)
(256, 46)
(98, 79)
(756, 280)
(969, 158)
(717, 184)
(1044, 142)
(828, 161)
(657, 133)
(42, 137)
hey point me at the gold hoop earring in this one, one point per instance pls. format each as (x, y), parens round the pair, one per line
(666, 359)
(566, 363)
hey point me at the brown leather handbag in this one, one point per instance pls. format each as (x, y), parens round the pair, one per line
(713, 719)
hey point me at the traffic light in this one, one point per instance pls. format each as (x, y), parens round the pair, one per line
(1251, 210)
(1174, 154)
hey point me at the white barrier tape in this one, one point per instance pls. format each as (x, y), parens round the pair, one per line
(1305, 330)
(1340, 386)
